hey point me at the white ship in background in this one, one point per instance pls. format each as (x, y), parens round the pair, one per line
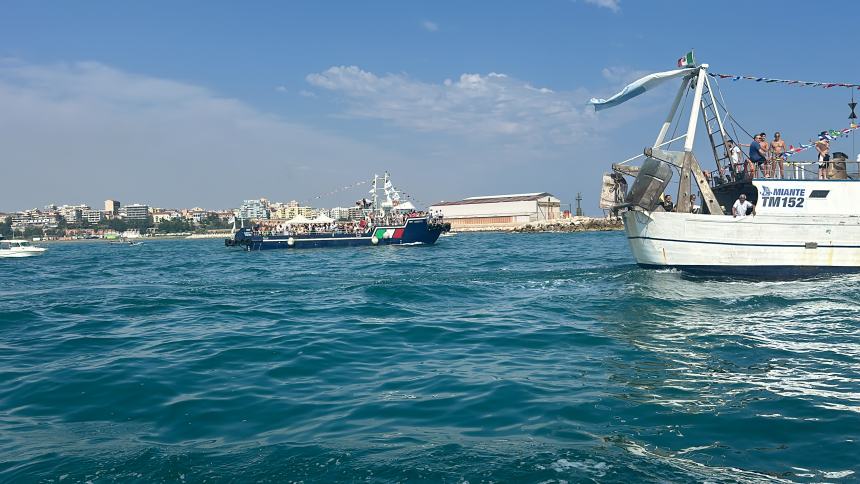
(799, 227)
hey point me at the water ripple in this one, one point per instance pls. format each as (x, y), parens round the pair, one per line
(489, 357)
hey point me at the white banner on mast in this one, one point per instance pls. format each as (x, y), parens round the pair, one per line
(639, 86)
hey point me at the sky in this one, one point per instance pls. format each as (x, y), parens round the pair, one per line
(208, 103)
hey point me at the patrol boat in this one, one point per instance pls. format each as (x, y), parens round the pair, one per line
(799, 226)
(390, 222)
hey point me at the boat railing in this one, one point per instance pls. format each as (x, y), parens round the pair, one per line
(833, 170)
(795, 170)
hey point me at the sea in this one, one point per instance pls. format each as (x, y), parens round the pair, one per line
(489, 357)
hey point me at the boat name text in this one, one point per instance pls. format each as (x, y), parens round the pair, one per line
(783, 197)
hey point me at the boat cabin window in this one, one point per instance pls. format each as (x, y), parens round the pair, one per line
(5, 245)
(819, 193)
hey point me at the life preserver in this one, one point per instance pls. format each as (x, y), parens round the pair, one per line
(374, 240)
(291, 241)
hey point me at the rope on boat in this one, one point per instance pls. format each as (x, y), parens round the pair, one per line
(790, 82)
(336, 191)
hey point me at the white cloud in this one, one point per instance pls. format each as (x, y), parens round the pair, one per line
(85, 131)
(614, 5)
(622, 75)
(429, 26)
(489, 105)
(281, 88)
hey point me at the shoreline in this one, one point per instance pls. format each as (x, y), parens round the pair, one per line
(139, 239)
(574, 224)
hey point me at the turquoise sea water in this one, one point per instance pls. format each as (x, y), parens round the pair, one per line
(487, 358)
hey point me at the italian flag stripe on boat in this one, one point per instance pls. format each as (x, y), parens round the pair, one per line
(389, 233)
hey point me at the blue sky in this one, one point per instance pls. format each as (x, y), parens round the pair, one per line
(208, 103)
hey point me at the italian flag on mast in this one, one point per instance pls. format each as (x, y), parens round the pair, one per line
(687, 60)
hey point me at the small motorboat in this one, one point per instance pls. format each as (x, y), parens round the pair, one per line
(19, 248)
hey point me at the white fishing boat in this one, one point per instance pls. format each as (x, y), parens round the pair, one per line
(797, 226)
(19, 248)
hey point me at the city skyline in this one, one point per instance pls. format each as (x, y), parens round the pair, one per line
(291, 100)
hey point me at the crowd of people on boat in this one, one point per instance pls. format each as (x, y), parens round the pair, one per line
(354, 227)
(767, 159)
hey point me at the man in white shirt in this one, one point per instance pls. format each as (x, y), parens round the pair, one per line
(736, 158)
(741, 207)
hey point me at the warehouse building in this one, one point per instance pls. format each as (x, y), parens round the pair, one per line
(499, 210)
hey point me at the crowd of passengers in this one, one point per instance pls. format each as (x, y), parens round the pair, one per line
(350, 227)
(767, 159)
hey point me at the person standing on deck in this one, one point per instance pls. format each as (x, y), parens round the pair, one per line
(757, 156)
(823, 148)
(765, 149)
(777, 151)
(736, 159)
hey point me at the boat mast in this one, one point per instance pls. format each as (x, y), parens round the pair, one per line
(668, 122)
(685, 161)
(373, 191)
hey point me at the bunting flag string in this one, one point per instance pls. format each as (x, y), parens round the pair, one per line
(338, 190)
(829, 135)
(412, 198)
(768, 80)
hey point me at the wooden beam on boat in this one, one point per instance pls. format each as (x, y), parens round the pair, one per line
(625, 169)
(708, 197)
(682, 204)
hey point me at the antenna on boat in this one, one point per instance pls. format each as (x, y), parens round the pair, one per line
(853, 118)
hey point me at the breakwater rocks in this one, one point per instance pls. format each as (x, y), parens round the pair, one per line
(575, 224)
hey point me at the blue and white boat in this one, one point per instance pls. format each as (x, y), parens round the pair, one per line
(386, 223)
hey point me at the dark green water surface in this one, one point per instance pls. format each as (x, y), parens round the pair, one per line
(486, 358)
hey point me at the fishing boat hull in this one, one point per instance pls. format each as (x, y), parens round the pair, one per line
(765, 245)
(416, 231)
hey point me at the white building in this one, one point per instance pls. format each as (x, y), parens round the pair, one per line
(135, 211)
(253, 210)
(498, 210)
(112, 208)
(73, 213)
(340, 213)
(35, 218)
(159, 216)
(93, 216)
